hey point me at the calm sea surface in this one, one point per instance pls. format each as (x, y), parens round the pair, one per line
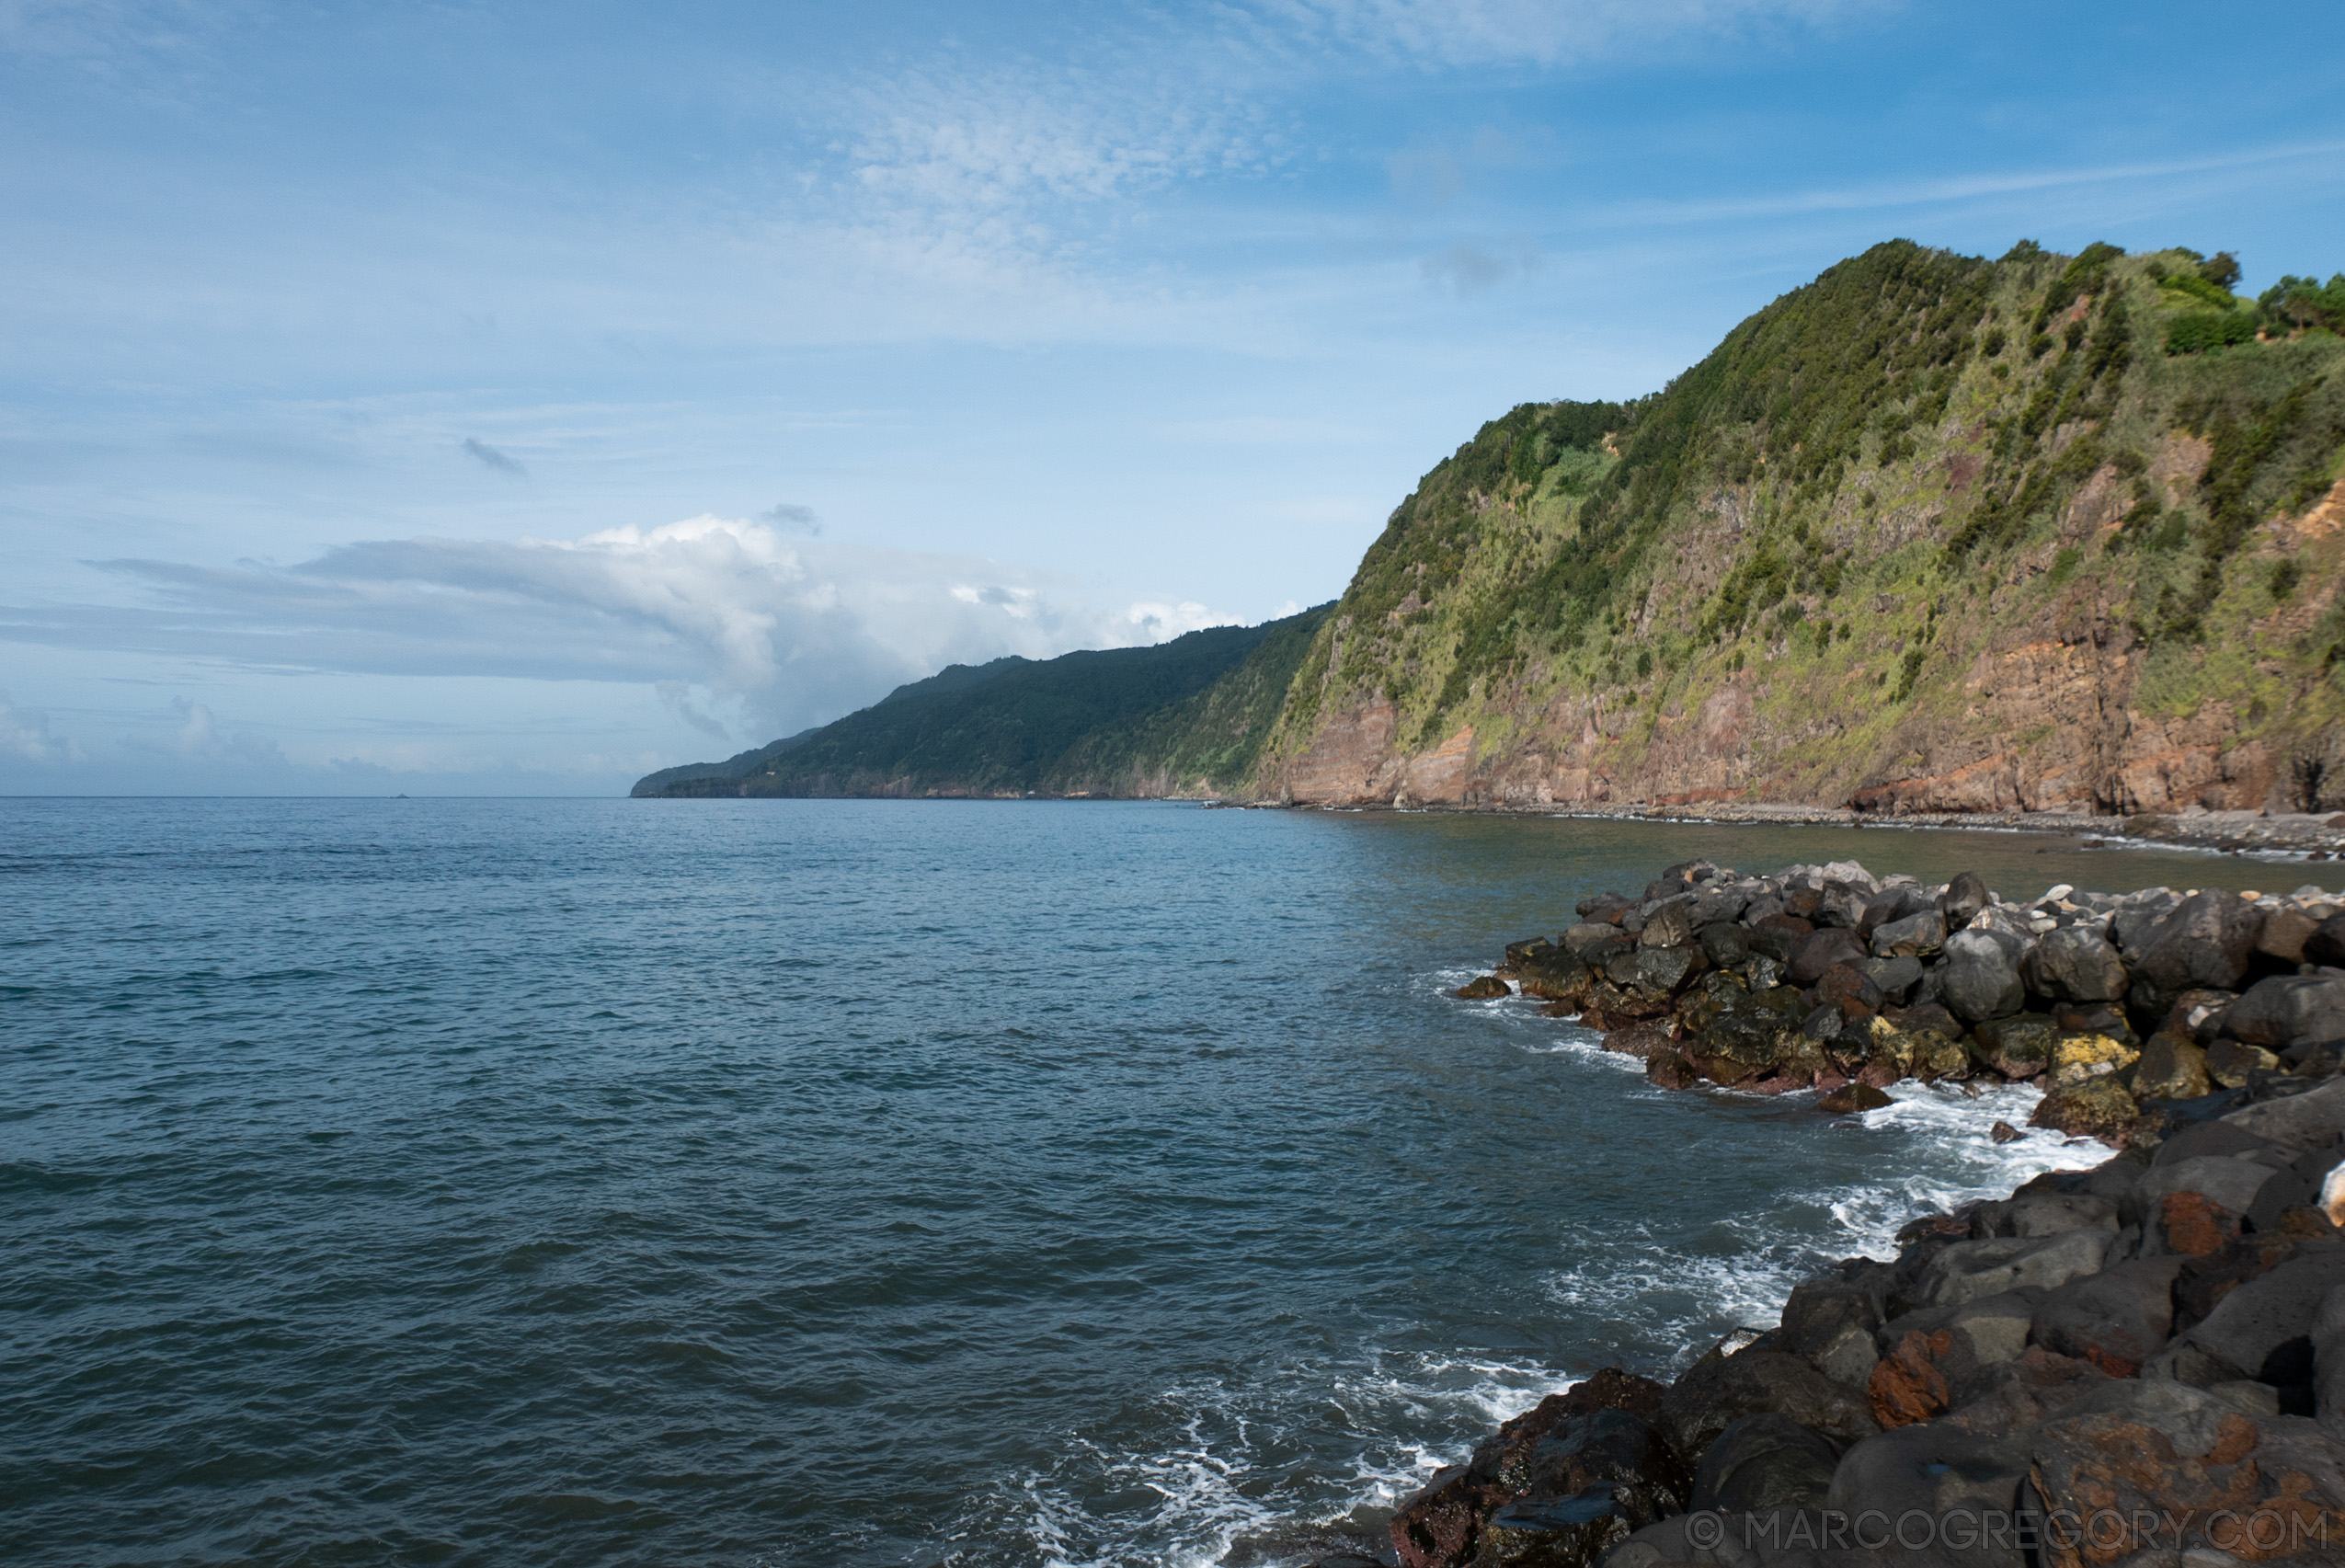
(842, 1183)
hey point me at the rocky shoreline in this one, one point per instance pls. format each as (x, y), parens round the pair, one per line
(2304, 836)
(2141, 1362)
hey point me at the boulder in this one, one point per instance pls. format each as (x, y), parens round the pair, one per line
(2282, 937)
(1981, 977)
(1911, 937)
(1820, 950)
(2328, 1362)
(1829, 1324)
(2288, 1010)
(2075, 965)
(1555, 976)
(1847, 986)
(1964, 898)
(2206, 941)
(2035, 1212)
(2184, 1476)
(2076, 1058)
(1765, 1461)
(1949, 1471)
(1852, 1100)
(2171, 1068)
(1968, 1270)
(1657, 971)
(2018, 1047)
(1719, 1391)
(2114, 1320)
(1592, 942)
(1720, 901)
(2326, 945)
(1726, 946)
(1671, 925)
(2199, 1013)
(1643, 1041)
(2262, 1327)
(1441, 1526)
(1483, 988)
(1574, 1531)
(1896, 977)
(2098, 1107)
(2300, 1124)
(2231, 1063)
(1752, 1043)
(2223, 1184)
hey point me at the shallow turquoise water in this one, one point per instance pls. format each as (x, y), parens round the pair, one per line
(585, 1182)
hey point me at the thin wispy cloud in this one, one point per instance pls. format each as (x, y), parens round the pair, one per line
(787, 631)
(488, 457)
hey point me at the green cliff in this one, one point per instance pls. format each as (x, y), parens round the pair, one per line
(1186, 717)
(1930, 533)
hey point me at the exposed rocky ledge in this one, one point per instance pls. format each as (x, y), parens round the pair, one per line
(2142, 1363)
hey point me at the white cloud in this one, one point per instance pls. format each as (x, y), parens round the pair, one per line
(787, 632)
(25, 736)
(199, 739)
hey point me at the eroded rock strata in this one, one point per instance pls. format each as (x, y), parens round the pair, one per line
(2142, 1363)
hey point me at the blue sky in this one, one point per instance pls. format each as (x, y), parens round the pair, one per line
(495, 399)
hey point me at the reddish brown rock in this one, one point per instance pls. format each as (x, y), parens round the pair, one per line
(1906, 1385)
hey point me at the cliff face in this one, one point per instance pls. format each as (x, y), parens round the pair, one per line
(1931, 533)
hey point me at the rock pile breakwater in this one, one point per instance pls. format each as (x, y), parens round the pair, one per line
(1830, 978)
(2141, 1362)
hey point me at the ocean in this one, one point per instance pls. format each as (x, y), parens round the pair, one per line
(580, 1182)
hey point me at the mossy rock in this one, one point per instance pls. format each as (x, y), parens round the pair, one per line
(2098, 1107)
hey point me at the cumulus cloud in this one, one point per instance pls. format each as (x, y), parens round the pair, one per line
(787, 632)
(489, 457)
(198, 737)
(25, 736)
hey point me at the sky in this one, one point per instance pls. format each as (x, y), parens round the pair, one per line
(514, 398)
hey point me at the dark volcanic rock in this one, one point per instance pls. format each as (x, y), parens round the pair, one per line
(2098, 1107)
(1671, 925)
(2114, 1320)
(1482, 990)
(2178, 1473)
(2326, 945)
(1981, 977)
(2207, 941)
(1441, 1526)
(1720, 1391)
(1726, 946)
(1964, 898)
(1820, 950)
(1765, 1461)
(2018, 1047)
(2288, 1010)
(2171, 1068)
(1556, 976)
(2075, 965)
(1913, 936)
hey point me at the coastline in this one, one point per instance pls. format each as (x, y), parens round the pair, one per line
(2289, 837)
(2159, 1337)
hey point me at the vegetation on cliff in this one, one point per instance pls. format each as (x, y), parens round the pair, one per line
(1930, 532)
(1188, 716)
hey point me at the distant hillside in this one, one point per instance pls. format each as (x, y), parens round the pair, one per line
(1930, 533)
(1186, 717)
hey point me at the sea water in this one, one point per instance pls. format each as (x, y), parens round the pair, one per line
(857, 1183)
